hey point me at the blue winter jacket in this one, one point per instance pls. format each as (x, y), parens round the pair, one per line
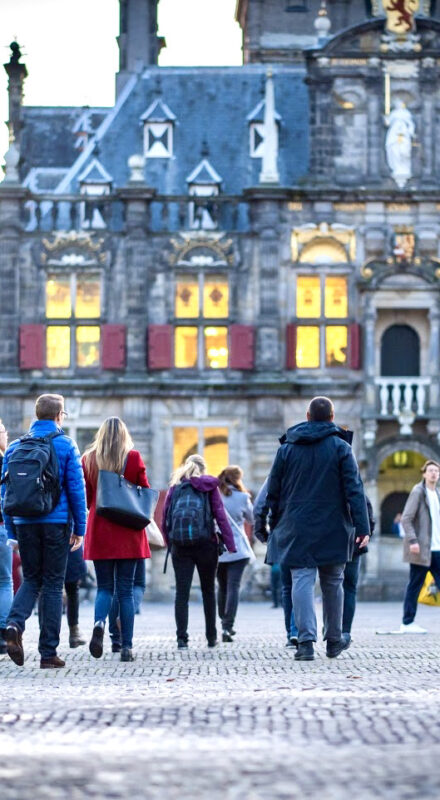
(72, 503)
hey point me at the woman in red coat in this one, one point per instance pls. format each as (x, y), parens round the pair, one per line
(113, 549)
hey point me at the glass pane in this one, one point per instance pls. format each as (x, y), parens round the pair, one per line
(87, 345)
(216, 348)
(216, 451)
(58, 303)
(308, 296)
(187, 297)
(58, 346)
(88, 296)
(307, 346)
(215, 297)
(186, 443)
(185, 347)
(336, 337)
(336, 299)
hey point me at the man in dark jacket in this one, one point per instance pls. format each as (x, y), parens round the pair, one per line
(316, 501)
(44, 541)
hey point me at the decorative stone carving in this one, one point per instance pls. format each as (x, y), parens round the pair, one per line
(398, 143)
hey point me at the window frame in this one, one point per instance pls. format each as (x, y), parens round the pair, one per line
(200, 425)
(169, 149)
(201, 322)
(73, 322)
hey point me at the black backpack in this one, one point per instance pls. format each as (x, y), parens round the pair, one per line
(32, 481)
(189, 518)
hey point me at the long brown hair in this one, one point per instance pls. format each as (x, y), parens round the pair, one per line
(231, 476)
(110, 447)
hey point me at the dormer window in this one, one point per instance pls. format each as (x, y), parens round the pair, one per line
(256, 130)
(94, 181)
(158, 122)
(204, 182)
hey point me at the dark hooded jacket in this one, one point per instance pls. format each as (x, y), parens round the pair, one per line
(316, 497)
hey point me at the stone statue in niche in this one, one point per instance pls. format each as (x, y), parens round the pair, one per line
(398, 142)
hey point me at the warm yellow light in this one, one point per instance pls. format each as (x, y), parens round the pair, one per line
(58, 346)
(307, 346)
(216, 348)
(336, 339)
(185, 347)
(216, 450)
(336, 297)
(186, 301)
(185, 443)
(215, 297)
(308, 296)
(58, 300)
(88, 297)
(88, 345)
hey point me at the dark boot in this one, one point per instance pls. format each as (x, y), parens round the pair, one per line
(305, 652)
(3, 648)
(75, 637)
(334, 648)
(52, 663)
(14, 645)
(126, 654)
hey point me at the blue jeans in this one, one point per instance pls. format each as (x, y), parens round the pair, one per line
(6, 590)
(351, 577)
(303, 597)
(140, 582)
(417, 575)
(116, 575)
(43, 550)
(286, 599)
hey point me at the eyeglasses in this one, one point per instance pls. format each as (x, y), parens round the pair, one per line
(64, 413)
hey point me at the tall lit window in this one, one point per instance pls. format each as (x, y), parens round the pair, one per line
(322, 321)
(210, 442)
(201, 307)
(73, 307)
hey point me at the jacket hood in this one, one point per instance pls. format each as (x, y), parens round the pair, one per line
(204, 483)
(40, 427)
(311, 432)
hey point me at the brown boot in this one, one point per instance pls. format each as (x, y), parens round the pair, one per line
(52, 663)
(75, 637)
(14, 645)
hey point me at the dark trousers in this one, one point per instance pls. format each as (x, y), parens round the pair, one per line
(286, 599)
(43, 549)
(417, 575)
(351, 577)
(275, 584)
(116, 575)
(139, 584)
(72, 604)
(229, 577)
(204, 558)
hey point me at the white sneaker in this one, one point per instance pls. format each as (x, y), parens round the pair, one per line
(412, 627)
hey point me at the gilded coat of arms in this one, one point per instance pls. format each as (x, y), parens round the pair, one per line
(400, 15)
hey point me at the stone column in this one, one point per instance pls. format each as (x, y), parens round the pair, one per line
(375, 130)
(428, 83)
(434, 355)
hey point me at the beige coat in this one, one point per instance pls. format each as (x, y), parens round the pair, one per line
(416, 521)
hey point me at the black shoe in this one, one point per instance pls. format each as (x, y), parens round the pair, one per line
(182, 644)
(96, 642)
(292, 641)
(127, 654)
(52, 663)
(232, 632)
(14, 645)
(116, 647)
(305, 652)
(227, 636)
(212, 642)
(335, 648)
(3, 648)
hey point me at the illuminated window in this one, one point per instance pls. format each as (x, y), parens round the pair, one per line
(336, 298)
(58, 346)
(336, 339)
(216, 347)
(324, 299)
(76, 299)
(307, 346)
(308, 296)
(185, 347)
(211, 443)
(202, 297)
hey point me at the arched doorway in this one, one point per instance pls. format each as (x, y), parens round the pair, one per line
(392, 504)
(400, 352)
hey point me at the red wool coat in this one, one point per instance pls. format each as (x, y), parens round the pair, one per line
(105, 539)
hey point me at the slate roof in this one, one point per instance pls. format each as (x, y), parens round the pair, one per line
(211, 106)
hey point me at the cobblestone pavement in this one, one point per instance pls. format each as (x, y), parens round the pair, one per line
(243, 721)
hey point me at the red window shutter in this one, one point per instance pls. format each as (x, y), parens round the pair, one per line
(32, 346)
(113, 346)
(291, 346)
(241, 346)
(160, 346)
(355, 342)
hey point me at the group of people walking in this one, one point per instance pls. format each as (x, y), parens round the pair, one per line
(312, 512)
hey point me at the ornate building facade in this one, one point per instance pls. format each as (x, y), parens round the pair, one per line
(224, 243)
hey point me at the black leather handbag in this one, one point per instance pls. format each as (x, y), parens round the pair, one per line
(123, 502)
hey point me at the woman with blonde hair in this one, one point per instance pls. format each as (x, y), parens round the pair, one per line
(192, 505)
(113, 548)
(231, 566)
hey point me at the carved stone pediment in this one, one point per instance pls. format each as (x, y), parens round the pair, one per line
(73, 250)
(202, 251)
(375, 272)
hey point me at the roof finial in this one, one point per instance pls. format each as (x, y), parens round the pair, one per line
(269, 170)
(322, 23)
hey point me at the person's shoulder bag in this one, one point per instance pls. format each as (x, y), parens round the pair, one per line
(122, 502)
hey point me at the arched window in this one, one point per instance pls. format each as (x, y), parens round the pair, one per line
(400, 352)
(323, 251)
(392, 505)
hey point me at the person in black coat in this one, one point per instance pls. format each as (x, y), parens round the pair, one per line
(317, 509)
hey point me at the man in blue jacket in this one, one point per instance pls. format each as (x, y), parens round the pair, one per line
(317, 505)
(44, 541)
